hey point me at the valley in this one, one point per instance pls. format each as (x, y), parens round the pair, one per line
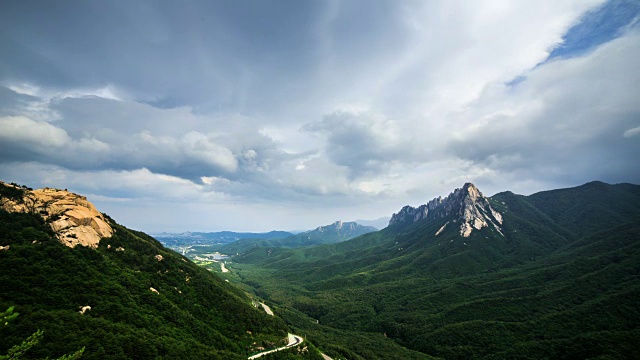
(550, 275)
(126, 296)
(320, 180)
(541, 286)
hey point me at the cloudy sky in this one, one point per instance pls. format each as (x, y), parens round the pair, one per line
(261, 115)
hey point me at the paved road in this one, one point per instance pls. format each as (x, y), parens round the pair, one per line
(293, 341)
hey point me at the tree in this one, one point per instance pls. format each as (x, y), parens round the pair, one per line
(17, 351)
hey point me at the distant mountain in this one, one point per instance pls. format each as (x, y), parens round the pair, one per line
(212, 238)
(228, 242)
(90, 283)
(379, 223)
(550, 275)
(327, 234)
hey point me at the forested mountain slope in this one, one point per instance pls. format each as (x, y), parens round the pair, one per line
(124, 297)
(557, 277)
(328, 234)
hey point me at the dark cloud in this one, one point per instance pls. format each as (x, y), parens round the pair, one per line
(365, 143)
(312, 107)
(12, 103)
(164, 53)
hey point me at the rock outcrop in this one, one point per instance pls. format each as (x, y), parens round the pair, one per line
(74, 220)
(466, 206)
(344, 230)
(338, 227)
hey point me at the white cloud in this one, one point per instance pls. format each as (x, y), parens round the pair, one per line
(109, 92)
(632, 132)
(20, 129)
(201, 147)
(28, 138)
(441, 55)
(566, 116)
(135, 185)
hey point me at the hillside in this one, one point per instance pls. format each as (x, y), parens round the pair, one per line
(328, 234)
(557, 277)
(119, 297)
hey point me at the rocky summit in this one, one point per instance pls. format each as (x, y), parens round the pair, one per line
(73, 219)
(337, 226)
(466, 206)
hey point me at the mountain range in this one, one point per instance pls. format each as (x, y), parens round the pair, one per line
(327, 234)
(332, 233)
(551, 275)
(338, 231)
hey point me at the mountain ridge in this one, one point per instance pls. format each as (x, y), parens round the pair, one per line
(333, 233)
(465, 205)
(124, 296)
(560, 281)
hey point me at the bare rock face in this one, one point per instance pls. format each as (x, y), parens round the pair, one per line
(74, 220)
(337, 226)
(466, 205)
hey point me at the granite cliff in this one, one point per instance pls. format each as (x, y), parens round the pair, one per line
(466, 206)
(73, 219)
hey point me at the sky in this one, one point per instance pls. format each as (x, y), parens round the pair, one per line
(287, 115)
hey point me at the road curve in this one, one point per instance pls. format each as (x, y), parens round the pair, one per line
(293, 341)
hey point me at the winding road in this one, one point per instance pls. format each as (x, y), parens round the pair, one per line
(293, 341)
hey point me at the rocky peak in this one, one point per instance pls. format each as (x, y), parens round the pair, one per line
(337, 226)
(74, 220)
(465, 205)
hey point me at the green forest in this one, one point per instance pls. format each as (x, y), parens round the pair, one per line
(563, 282)
(193, 315)
(560, 280)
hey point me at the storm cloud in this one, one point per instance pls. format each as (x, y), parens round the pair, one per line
(212, 115)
